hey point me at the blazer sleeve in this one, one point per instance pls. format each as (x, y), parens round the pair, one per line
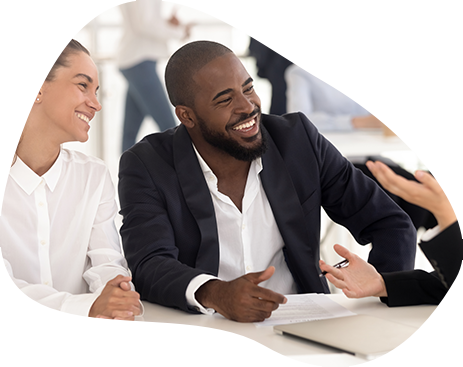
(356, 202)
(407, 288)
(445, 253)
(148, 236)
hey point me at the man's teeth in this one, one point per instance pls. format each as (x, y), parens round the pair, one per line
(246, 125)
(83, 117)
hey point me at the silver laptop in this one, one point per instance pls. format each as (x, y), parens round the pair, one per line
(364, 336)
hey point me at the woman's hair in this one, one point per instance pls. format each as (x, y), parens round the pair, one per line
(72, 48)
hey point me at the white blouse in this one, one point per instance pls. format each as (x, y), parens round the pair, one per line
(57, 232)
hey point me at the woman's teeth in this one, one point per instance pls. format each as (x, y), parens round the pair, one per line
(83, 117)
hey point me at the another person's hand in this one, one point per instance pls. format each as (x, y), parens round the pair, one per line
(241, 299)
(117, 301)
(358, 279)
(426, 193)
(366, 122)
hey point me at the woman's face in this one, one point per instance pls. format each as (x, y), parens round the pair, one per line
(69, 101)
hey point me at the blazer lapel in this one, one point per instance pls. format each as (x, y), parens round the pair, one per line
(280, 192)
(198, 199)
(289, 216)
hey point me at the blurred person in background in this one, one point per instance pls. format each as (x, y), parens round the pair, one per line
(326, 107)
(143, 44)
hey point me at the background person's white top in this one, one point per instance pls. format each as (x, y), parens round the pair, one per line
(146, 33)
(330, 95)
(249, 241)
(57, 232)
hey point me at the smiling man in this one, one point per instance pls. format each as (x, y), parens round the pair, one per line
(223, 212)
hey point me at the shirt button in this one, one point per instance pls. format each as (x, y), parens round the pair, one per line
(43, 242)
(243, 226)
(41, 203)
(46, 283)
(248, 268)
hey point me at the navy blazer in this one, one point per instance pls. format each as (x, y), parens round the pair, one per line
(169, 230)
(445, 253)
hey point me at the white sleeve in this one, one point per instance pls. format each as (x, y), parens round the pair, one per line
(194, 285)
(104, 249)
(63, 301)
(430, 233)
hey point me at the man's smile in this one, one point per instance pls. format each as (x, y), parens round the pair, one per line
(246, 126)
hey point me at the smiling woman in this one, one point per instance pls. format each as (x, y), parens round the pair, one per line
(58, 237)
(66, 100)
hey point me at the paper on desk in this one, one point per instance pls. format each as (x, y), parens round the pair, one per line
(305, 307)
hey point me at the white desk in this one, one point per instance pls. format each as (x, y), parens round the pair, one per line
(166, 334)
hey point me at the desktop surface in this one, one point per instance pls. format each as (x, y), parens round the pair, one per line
(164, 332)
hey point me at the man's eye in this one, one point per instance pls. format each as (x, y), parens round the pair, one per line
(225, 100)
(250, 89)
(83, 85)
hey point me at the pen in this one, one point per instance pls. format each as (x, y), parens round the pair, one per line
(341, 264)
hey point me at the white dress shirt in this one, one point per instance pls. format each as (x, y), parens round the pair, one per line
(249, 241)
(57, 232)
(146, 33)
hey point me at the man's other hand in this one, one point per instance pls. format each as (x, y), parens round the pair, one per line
(241, 299)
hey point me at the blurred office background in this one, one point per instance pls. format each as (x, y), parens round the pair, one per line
(232, 23)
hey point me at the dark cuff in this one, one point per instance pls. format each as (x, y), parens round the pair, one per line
(407, 288)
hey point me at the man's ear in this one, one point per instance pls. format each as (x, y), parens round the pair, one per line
(186, 116)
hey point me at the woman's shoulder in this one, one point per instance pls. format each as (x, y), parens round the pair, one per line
(79, 159)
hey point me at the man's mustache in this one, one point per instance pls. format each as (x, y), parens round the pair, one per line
(245, 116)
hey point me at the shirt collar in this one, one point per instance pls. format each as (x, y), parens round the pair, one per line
(28, 180)
(206, 169)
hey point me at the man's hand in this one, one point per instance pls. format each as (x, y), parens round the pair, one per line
(426, 193)
(359, 279)
(241, 299)
(116, 301)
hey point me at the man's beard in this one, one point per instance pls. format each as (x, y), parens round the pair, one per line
(231, 146)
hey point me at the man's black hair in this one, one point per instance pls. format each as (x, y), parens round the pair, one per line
(183, 64)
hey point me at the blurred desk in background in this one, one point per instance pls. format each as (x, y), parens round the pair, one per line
(421, 124)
